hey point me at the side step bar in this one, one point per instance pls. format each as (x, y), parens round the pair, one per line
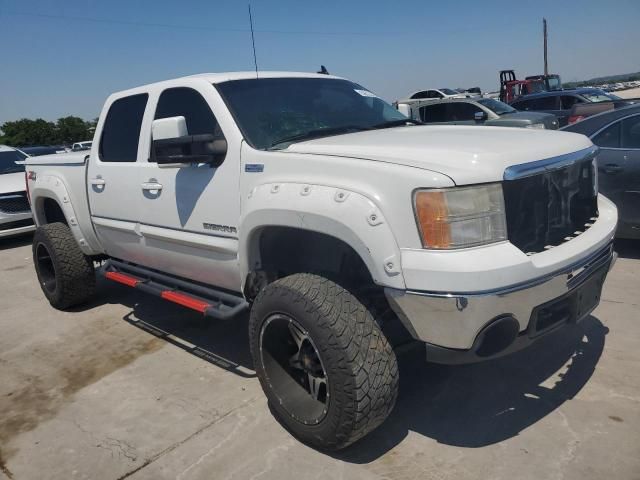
(211, 303)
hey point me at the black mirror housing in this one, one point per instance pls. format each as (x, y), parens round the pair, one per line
(204, 148)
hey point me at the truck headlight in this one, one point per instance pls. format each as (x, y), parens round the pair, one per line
(461, 217)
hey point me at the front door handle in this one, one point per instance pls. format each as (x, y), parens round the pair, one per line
(151, 186)
(98, 182)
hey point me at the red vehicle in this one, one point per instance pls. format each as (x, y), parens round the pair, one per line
(512, 88)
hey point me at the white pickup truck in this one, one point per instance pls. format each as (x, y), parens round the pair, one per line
(340, 224)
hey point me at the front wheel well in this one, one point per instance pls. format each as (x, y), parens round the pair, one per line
(283, 251)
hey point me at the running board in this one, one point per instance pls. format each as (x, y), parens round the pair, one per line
(211, 303)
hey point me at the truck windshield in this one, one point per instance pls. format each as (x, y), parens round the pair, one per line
(273, 111)
(8, 162)
(496, 106)
(554, 82)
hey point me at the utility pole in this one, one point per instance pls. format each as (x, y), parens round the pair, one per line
(544, 29)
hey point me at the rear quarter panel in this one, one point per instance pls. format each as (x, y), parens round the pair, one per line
(62, 178)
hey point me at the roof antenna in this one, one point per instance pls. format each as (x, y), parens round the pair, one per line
(253, 42)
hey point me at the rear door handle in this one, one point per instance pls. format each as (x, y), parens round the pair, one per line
(97, 182)
(612, 168)
(151, 186)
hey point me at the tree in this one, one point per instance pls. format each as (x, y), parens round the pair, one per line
(27, 132)
(72, 129)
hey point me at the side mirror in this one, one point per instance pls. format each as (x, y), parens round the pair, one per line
(480, 116)
(405, 109)
(174, 147)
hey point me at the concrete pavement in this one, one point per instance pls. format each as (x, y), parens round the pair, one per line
(131, 387)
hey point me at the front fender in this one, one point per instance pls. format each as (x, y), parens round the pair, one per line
(343, 214)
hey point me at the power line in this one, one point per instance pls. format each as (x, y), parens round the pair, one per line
(192, 27)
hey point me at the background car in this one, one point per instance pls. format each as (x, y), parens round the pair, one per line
(15, 212)
(79, 146)
(477, 111)
(36, 151)
(617, 133)
(560, 102)
(580, 111)
(438, 93)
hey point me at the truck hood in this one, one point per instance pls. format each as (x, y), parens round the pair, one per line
(12, 182)
(465, 154)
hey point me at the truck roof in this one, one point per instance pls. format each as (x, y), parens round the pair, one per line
(227, 76)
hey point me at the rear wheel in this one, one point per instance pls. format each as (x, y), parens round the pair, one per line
(66, 275)
(327, 370)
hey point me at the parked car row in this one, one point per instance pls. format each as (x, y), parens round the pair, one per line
(474, 111)
(560, 102)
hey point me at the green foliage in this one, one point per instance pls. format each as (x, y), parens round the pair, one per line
(27, 132)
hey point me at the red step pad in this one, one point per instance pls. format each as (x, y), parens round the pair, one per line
(185, 300)
(122, 278)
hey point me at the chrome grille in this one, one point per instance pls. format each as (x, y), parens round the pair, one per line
(548, 208)
(14, 203)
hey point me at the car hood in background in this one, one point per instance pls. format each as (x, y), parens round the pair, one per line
(549, 120)
(12, 182)
(467, 154)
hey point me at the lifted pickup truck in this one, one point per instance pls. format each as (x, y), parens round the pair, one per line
(335, 220)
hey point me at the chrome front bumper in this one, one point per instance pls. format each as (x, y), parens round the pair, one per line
(15, 224)
(455, 320)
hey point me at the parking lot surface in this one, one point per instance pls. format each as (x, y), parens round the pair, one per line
(132, 387)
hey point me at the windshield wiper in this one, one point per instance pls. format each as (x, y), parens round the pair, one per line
(396, 123)
(319, 133)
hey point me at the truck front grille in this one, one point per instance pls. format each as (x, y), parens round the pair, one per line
(549, 208)
(13, 203)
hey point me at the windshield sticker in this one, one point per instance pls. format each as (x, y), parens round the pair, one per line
(366, 93)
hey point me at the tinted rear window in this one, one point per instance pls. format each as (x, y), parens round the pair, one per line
(121, 130)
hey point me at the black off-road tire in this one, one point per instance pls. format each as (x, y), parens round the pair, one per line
(68, 277)
(361, 367)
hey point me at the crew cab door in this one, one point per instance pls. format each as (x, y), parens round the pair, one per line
(112, 176)
(189, 212)
(631, 156)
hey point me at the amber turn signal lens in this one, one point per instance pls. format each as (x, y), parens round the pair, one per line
(432, 215)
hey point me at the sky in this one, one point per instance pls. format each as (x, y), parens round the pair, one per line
(65, 57)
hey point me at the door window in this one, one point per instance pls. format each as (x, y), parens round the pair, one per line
(631, 132)
(121, 131)
(609, 137)
(188, 103)
(459, 111)
(544, 103)
(433, 113)
(423, 94)
(569, 101)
